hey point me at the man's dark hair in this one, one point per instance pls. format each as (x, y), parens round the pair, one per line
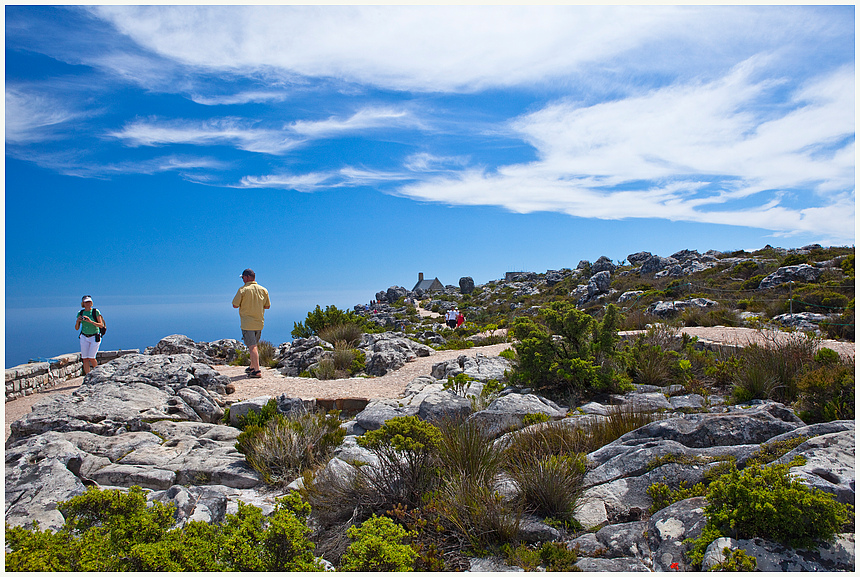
(249, 272)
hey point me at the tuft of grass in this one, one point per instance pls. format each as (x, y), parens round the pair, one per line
(282, 448)
(549, 484)
(348, 333)
(467, 450)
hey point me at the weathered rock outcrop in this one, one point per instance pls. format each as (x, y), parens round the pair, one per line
(797, 273)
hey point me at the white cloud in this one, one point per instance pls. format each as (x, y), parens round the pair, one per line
(229, 131)
(457, 48)
(247, 97)
(313, 181)
(33, 117)
(679, 153)
(362, 120)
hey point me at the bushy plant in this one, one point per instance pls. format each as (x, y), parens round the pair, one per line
(534, 418)
(827, 393)
(662, 495)
(766, 502)
(113, 530)
(282, 448)
(407, 448)
(478, 513)
(568, 352)
(735, 560)
(318, 320)
(771, 370)
(378, 545)
(258, 419)
(552, 556)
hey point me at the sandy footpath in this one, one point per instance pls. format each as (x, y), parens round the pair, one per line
(392, 385)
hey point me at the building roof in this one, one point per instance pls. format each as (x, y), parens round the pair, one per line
(427, 284)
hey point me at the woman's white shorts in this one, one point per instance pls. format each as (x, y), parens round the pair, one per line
(89, 347)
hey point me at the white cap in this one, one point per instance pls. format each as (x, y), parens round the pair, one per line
(87, 300)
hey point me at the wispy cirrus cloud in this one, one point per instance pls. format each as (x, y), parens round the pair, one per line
(224, 131)
(34, 117)
(700, 152)
(364, 119)
(243, 134)
(245, 97)
(311, 182)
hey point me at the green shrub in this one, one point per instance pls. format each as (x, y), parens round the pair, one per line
(827, 393)
(745, 269)
(318, 320)
(458, 384)
(794, 259)
(818, 299)
(509, 354)
(378, 545)
(552, 556)
(753, 282)
(117, 531)
(534, 418)
(282, 448)
(735, 560)
(770, 452)
(662, 495)
(407, 448)
(582, 361)
(847, 266)
(258, 419)
(767, 502)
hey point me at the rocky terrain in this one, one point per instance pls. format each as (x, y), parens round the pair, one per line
(157, 420)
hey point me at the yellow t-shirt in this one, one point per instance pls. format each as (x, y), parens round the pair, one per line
(251, 299)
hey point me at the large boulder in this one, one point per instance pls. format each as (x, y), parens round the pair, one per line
(829, 463)
(507, 412)
(478, 368)
(467, 285)
(803, 273)
(656, 263)
(668, 308)
(598, 284)
(181, 345)
(772, 557)
(300, 355)
(603, 264)
(670, 527)
(128, 393)
(395, 293)
(389, 351)
(741, 426)
(638, 257)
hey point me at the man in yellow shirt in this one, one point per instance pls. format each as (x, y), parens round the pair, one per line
(251, 300)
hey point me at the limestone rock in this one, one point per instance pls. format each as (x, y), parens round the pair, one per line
(669, 527)
(772, 557)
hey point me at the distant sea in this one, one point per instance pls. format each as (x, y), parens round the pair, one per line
(50, 331)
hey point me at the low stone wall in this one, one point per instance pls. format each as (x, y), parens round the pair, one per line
(30, 378)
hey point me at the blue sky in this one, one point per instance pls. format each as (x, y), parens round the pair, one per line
(152, 153)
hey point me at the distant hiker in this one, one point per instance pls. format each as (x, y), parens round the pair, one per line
(451, 319)
(89, 322)
(251, 300)
(460, 319)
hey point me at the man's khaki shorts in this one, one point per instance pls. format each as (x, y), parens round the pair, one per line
(251, 338)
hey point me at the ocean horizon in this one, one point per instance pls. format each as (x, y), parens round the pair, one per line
(47, 332)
